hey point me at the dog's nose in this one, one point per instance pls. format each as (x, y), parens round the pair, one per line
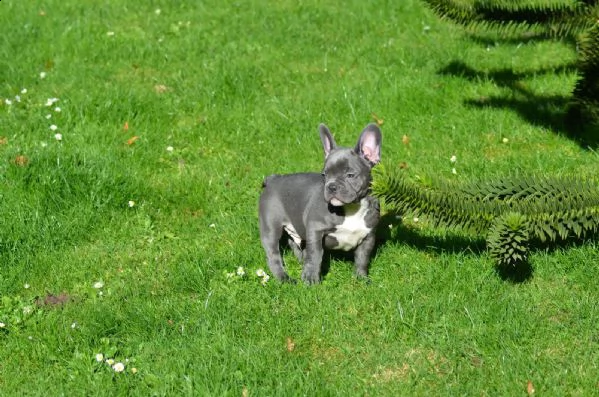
(332, 188)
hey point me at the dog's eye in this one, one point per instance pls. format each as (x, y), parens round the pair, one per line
(350, 175)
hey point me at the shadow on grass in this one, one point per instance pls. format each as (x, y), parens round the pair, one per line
(453, 244)
(524, 38)
(550, 111)
(515, 274)
(471, 246)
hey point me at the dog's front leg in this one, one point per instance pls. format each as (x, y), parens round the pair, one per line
(313, 258)
(362, 255)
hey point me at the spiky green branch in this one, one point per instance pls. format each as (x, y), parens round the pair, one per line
(510, 213)
(586, 92)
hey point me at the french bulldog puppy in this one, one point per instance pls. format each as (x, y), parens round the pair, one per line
(328, 210)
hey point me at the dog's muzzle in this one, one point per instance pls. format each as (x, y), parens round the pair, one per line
(331, 191)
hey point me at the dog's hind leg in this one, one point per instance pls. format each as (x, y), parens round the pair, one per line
(270, 234)
(270, 242)
(297, 250)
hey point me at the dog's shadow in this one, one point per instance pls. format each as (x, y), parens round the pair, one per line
(391, 228)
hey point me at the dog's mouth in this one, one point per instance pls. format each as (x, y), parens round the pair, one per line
(336, 202)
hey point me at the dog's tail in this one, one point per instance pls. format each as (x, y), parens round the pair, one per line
(268, 179)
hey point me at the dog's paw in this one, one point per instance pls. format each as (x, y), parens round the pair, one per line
(284, 278)
(362, 275)
(289, 280)
(364, 278)
(311, 277)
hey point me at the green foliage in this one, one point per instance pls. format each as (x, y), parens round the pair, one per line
(511, 212)
(508, 239)
(445, 205)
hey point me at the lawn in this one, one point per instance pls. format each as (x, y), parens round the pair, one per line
(134, 137)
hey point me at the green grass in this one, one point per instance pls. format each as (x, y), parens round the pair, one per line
(237, 89)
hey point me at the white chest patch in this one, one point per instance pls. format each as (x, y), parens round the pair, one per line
(353, 229)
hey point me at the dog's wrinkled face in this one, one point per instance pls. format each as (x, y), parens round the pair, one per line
(347, 177)
(347, 171)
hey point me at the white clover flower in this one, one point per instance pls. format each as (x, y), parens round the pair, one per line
(43, 144)
(42, 75)
(131, 203)
(453, 159)
(110, 361)
(8, 102)
(157, 11)
(505, 140)
(48, 116)
(74, 325)
(265, 279)
(53, 127)
(133, 370)
(58, 137)
(110, 34)
(169, 149)
(416, 219)
(263, 276)
(26, 286)
(17, 98)
(118, 367)
(2, 325)
(27, 309)
(51, 101)
(454, 171)
(99, 357)
(240, 271)
(212, 225)
(57, 109)
(98, 284)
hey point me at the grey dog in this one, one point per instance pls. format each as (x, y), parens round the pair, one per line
(332, 209)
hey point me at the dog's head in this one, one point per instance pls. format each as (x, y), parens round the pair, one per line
(346, 170)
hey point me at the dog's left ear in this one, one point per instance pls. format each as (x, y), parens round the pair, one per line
(369, 144)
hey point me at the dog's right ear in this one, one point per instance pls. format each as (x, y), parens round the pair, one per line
(328, 142)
